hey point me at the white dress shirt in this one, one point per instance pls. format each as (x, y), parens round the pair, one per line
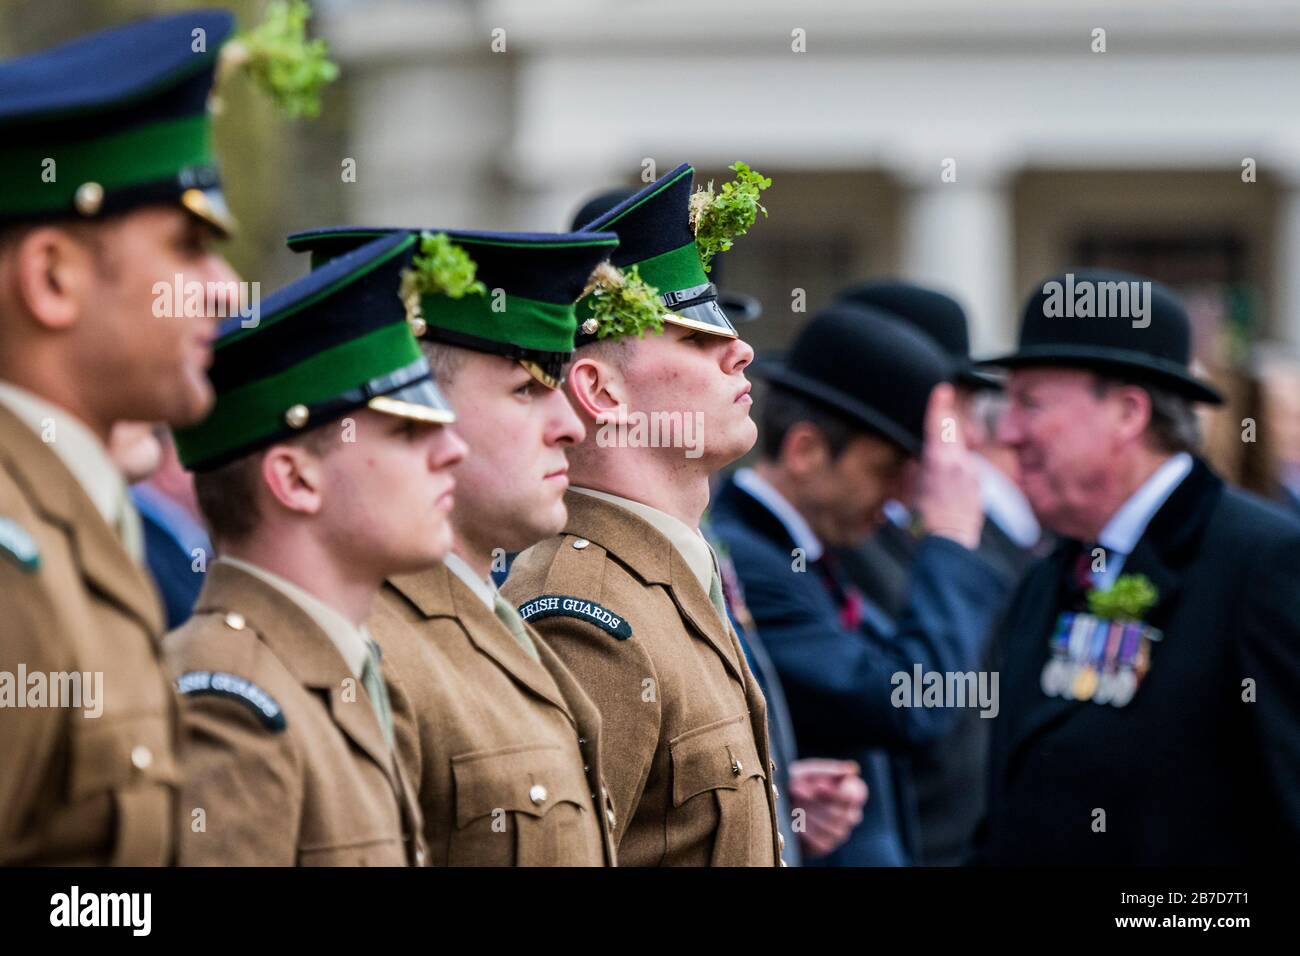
(1129, 522)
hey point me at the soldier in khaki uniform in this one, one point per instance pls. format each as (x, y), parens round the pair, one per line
(629, 595)
(323, 469)
(87, 225)
(503, 741)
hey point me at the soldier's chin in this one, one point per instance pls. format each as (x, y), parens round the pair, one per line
(439, 546)
(731, 446)
(187, 404)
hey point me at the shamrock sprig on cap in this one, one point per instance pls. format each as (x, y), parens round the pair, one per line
(622, 303)
(440, 267)
(718, 218)
(280, 59)
(1129, 599)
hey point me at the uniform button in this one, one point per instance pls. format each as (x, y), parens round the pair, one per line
(235, 621)
(141, 757)
(419, 858)
(580, 543)
(296, 416)
(783, 863)
(537, 793)
(780, 842)
(582, 741)
(88, 198)
(736, 766)
(586, 769)
(776, 794)
(609, 815)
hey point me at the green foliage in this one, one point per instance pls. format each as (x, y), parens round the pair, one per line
(440, 266)
(623, 303)
(282, 61)
(1128, 600)
(719, 218)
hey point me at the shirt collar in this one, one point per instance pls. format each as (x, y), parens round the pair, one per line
(1126, 525)
(485, 590)
(353, 642)
(76, 446)
(799, 530)
(688, 541)
(1006, 505)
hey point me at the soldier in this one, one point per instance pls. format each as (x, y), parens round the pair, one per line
(323, 469)
(629, 594)
(107, 185)
(503, 742)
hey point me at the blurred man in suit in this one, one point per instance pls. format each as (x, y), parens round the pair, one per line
(858, 399)
(948, 773)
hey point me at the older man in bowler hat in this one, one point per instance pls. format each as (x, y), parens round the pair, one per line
(857, 401)
(1151, 664)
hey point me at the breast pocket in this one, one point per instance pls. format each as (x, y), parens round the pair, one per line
(521, 806)
(718, 764)
(127, 765)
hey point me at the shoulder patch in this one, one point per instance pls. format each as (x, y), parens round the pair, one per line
(18, 545)
(220, 684)
(564, 605)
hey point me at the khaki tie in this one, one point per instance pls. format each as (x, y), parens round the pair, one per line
(715, 593)
(515, 625)
(372, 679)
(129, 527)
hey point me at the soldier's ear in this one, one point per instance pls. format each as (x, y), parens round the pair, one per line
(595, 388)
(53, 273)
(294, 476)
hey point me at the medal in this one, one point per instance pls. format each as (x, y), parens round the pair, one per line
(1055, 677)
(1085, 683)
(1099, 659)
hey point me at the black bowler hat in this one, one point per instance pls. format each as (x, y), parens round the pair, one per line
(1085, 319)
(866, 365)
(937, 315)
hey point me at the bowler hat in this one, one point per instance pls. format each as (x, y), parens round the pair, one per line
(866, 365)
(1110, 321)
(937, 315)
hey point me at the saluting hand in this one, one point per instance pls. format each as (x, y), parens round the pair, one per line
(948, 496)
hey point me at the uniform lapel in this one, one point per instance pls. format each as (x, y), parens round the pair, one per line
(648, 554)
(306, 652)
(100, 556)
(698, 609)
(439, 593)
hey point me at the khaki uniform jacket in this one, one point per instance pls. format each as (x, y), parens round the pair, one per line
(77, 789)
(506, 750)
(685, 742)
(287, 761)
